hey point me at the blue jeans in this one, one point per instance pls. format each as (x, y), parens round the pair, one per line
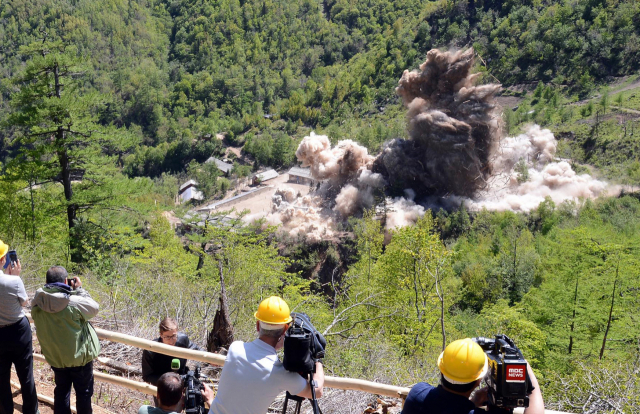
(82, 380)
(16, 349)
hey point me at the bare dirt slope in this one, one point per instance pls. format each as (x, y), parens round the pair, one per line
(45, 385)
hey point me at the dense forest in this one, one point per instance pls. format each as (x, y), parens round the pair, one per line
(107, 107)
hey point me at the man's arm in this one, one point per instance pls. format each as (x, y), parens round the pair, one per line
(536, 403)
(147, 368)
(318, 377)
(82, 301)
(22, 293)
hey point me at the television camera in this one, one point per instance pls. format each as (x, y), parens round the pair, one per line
(508, 380)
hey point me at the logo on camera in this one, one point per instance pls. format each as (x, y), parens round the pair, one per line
(515, 373)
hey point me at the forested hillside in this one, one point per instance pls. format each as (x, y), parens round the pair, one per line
(183, 70)
(107, 107)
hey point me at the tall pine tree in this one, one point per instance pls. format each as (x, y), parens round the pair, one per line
(56, 132)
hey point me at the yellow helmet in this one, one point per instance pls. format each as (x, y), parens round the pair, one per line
(273, 310)
(463, 361)
(3, 249)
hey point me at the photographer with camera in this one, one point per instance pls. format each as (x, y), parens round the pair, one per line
(253, 375)
(170, 396)
(61, 311)
(463, 365)
(15, 335)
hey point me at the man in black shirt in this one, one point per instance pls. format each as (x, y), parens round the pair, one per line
(155, 364)
(463, 365)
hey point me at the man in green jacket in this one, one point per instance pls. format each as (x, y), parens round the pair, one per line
(61, 312)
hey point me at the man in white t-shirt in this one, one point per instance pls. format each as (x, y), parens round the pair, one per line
(15, 337)
(253, 375)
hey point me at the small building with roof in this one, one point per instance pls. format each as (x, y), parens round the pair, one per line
(224, 167)
(189, 192)
(264, 176)
(299, 175)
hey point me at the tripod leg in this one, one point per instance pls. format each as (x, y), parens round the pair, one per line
(314, 401)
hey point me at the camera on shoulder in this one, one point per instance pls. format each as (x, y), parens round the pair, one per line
(303, 345)
(508, 380)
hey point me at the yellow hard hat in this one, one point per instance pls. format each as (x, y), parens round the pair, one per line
(273, 310)
(3, 249)
(463, 361)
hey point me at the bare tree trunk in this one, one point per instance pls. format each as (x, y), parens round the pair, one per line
(203, 246)
(573, 317)
(221, 335)
(613, 297)
(33, 210)
(440, 294)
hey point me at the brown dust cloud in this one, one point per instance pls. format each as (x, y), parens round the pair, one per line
(455, 153)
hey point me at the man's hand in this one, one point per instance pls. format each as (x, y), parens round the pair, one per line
(481, 397)
(75, 282)
(318, 378)
(207, 393)
(536, 403)
(14, 268)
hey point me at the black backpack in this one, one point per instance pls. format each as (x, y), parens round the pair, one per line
(303, 345)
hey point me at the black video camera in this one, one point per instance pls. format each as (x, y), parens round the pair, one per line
(193, 398)
(508, 380)
(303, 345)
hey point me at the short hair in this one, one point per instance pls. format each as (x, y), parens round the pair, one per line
(271, 330)
(57, 274)
(169, 389)
(458, 387)
(167, 324)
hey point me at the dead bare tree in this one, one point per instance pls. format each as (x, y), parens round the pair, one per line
(221, 335)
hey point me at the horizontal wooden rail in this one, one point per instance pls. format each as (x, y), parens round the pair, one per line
(44, 398)
(143, 387)
(216, 359)
(161, 348)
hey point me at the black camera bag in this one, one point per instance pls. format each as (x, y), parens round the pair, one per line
(303, 345)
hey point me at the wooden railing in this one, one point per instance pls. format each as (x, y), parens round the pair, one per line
(216, 359)
(219, 360)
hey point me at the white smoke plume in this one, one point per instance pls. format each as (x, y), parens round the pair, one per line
(403, 211)
(348, 186)
(301, 216)
(532, 155)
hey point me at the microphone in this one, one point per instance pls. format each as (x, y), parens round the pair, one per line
(175, 365)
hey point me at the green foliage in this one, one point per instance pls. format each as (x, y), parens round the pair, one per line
(232, 67)
(160, 79)
(57, 138)
(207, 176)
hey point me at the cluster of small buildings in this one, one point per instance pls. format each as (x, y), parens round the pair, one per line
(189, 191)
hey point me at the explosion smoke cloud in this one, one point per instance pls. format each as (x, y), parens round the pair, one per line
(453, 126)
(454, 155)
(509, 190)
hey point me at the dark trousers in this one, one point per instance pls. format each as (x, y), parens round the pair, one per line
(16, 349)
(82, 380)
